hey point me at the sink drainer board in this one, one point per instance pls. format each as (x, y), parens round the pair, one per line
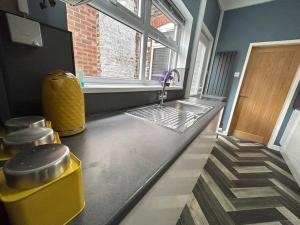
(200, 107)
(166, 116)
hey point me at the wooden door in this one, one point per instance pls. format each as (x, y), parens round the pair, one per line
(269, 75)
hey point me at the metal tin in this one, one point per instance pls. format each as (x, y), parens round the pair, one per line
(36, 166)
(27, 138)
(19, 123)
(44, 204)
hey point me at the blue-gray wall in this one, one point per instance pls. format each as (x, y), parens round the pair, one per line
(193, 6)
(23, 68)
(54, 16)
(273, 21)
(212, 15)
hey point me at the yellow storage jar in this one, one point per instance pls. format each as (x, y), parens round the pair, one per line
(54, 203)
(5, 156)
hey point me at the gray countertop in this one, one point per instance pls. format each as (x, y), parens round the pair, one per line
(121, 155)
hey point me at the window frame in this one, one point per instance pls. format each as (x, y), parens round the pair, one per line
(156, 46)
(141, 23)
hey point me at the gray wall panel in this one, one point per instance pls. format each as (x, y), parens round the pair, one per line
(54, 16)
(24, 67)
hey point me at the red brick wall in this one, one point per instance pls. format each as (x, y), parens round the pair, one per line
(159, 21)
(83, 23)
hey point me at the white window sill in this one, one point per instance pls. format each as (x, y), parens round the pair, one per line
(123, 88)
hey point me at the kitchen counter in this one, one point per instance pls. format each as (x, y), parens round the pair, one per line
(122, 156)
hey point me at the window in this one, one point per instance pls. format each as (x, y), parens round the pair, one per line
(163, 23)
(119, 42)
(132, 5)
(120, 49)
(159, 59)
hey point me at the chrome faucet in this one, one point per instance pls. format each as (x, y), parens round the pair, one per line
(163, 94)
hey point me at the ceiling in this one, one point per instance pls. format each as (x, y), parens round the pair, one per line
(233, 4)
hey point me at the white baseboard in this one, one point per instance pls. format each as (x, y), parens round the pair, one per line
(274, 147)
(292, 166)
(224, 133)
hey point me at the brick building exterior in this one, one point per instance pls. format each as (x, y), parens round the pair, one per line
(105, 47)
(83, 22)
(120, 49)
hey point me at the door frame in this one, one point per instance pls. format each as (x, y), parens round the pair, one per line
(287, 101)
(195, 47)
(291, 126)
(205, 33)
(285, 140)
(205, 67)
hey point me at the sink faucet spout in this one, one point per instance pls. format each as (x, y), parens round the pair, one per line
(163, 95)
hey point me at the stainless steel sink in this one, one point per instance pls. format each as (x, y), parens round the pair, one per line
(174, 117)
(200, 107)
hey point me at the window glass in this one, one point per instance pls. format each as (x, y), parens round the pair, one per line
(108, 40)
(120, 49)
(132, 5)
(159, 59)
(197, 76)
(103, 46)
(163, 23)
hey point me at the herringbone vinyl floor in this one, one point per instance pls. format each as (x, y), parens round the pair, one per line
(243, 183)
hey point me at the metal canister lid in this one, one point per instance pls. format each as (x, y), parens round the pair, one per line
(19, 123)
(27, 138)
(36, 166)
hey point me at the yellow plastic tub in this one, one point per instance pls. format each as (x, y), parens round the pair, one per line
(54, 203)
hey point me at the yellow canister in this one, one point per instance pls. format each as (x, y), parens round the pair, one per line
(5, 156)
(63, 103)
(54, 203)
